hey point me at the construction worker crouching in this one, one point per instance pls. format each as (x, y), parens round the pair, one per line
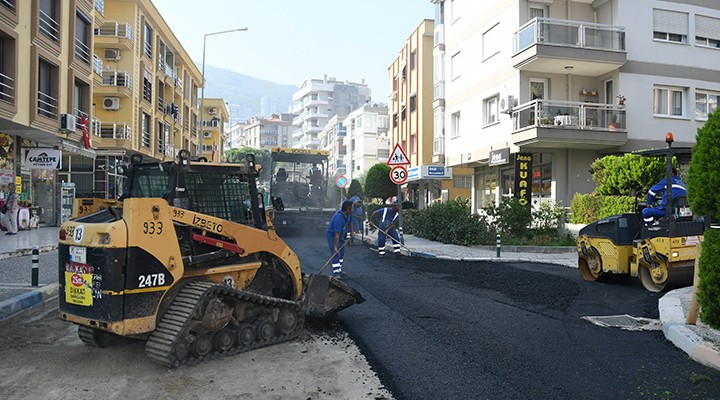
(387, 225)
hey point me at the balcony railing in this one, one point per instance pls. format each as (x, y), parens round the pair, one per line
(49, 27)
(78, 116)
(569, 33)
(100, 6)
(116, 78)
(568, 114)
(97, 65)
(169, 150)
(96, 127)
(113, 130)
(7, 89)
(146, 139)
(82, 51)
(115, 29)
(47, 105)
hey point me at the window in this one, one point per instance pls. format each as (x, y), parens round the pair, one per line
(670, 26)
(148, 40)
(455, 66)
(707, 31)
(413, 60)
(668, 101)
(491, 42)
(455, 125)
(82, 37)
(146, 130)
(439, 13)
(147, 89)
(492, 115)
(462, 181)
(81, 99)
(161, 137)
(413, 144)
(47, 89)
(454, 11)
(705, 104)
(413, 103)
(9, 4)
(7, 69)
(48, 24)
(438, 66)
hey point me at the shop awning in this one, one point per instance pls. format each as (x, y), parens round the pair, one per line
(75, 149)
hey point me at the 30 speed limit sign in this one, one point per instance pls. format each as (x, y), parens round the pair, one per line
(398, 174)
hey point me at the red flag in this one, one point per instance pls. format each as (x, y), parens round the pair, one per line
(85, 131)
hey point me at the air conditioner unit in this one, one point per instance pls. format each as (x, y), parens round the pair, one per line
(111, 103)
(67, 123)
(112, 54)
(212, 110)
(207, 134)
(506, 104)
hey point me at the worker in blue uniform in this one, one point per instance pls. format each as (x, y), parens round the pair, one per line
(387, 219)
(337, 228)
(650, 213)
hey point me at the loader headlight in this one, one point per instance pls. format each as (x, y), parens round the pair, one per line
(675, 254)
(104, 238)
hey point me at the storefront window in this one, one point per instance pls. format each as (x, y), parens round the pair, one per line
(542, 175)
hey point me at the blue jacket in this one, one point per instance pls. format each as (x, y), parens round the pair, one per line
(387, 217)
(338, 223)
(678, 190)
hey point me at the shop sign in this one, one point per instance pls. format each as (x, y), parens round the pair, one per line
(43, 159)
(523, 179)
(429, 172)
(500, 156)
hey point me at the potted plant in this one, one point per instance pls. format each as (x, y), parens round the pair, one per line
(621, 100)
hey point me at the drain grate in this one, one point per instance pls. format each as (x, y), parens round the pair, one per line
(626, 322)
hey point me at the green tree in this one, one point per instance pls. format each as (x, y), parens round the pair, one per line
(378, 184)
(621, 175)
(262, 158)
(355, 189)
(703, 179)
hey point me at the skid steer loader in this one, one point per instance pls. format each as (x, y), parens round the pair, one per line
(661, 255)
(191, 264)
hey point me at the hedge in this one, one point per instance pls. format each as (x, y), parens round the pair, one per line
(709, 286)
(587, 208)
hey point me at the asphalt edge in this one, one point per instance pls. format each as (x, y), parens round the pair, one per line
(16, 305)
(27, 252)
(673, 319)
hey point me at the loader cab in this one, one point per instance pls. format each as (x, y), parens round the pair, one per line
(226, 191)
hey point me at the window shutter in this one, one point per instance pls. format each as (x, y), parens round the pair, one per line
(707, 27)
(670, 22)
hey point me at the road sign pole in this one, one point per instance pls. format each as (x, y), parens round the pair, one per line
(400, 218)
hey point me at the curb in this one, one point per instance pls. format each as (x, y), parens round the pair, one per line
(27, 252)
(672, 317)
(25, 301)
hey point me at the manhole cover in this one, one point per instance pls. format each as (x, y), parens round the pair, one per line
(627, 322)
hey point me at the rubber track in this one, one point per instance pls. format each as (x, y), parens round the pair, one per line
(188, 302)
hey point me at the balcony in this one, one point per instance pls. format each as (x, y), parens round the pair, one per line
(550, 45)
(7, 89)
(8, 4)
(49, 27)
(114, 35)
(112, 130)
(82, 51)
(117, 83)
(97, 65)
(569, 124)
(47, 105)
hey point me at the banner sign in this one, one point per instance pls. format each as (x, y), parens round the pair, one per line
(43, 159)
(500, 156)
(523, 179)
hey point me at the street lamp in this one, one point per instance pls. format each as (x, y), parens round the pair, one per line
(202, 90)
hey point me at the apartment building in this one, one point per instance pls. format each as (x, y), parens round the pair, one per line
(411, 123)
(46, 89)
(317, 101)
(534, 91)
(367, 139)
(215, 115)
(235, 136)
(275, 130)
(333, 138)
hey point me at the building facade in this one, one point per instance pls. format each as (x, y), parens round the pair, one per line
(333, 138)
(215, 115)
(552, 85)
(145, 99)
(317, 101)
(266, 133)
(367, 139)
(235, 136)
(411, 123)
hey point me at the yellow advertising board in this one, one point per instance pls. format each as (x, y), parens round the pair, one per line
(77, 288)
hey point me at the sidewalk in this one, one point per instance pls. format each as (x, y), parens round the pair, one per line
(700, 342)
(45, 239)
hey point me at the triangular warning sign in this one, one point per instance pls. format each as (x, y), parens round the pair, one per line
(398, 157)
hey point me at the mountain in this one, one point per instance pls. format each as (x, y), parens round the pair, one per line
(243, 92)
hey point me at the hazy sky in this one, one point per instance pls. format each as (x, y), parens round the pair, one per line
(290, 40)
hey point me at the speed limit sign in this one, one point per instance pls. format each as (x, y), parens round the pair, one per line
(398, 174)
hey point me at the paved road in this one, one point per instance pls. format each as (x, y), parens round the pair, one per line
(437, 329)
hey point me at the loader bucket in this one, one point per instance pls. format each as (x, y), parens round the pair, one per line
(325, 296)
